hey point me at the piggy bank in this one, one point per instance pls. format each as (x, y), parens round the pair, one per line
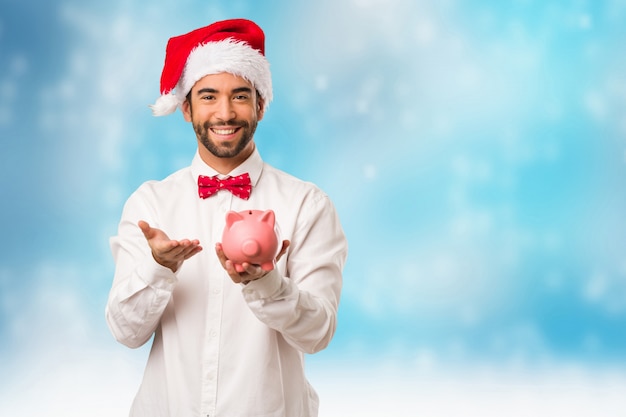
(251, 236)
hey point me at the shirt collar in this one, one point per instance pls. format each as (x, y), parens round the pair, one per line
(253, 166)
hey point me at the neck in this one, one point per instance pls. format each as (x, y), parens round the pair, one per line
(225, 165)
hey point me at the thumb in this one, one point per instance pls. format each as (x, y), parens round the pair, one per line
(283, 250)
(146, 229)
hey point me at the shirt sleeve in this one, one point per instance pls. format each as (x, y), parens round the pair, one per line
(302, 304)
(141, 287)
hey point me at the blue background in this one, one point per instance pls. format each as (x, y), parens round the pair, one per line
(475, 152)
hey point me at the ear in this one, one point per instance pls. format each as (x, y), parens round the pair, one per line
(186, 108)
(268, 217)
(232, 217)
(260, 111)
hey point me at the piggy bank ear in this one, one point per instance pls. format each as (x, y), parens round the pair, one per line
(268, 217)
(232, 217)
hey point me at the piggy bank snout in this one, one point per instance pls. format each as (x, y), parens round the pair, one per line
(250, 247)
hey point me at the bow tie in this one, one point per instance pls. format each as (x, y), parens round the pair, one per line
(239, 186)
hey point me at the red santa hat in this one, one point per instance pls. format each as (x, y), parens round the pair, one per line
(236, 46)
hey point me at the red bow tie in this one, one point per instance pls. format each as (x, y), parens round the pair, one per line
(239, 186)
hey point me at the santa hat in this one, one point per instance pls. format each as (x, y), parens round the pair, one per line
(236, 46)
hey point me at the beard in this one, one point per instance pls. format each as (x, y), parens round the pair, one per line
(228, 150)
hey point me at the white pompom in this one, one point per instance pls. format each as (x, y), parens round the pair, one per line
(166, 104)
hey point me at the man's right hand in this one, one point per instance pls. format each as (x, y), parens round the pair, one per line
(167, 252)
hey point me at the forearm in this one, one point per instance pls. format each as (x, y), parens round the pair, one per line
(137, 301)
(306, 320)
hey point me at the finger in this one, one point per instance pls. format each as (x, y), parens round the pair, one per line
(189, 252)
(220, 254)
(195, 251)
(167, 248)
(145, 228)
(251, 269)
(184, 249)
(252, 272)
(178, 246)
(232, 272)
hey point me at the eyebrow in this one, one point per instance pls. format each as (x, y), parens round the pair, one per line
(234, 91)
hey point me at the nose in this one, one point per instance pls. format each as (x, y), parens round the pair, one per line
(225, 110)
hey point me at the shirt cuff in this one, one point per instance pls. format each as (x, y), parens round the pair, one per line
(156, 275)
(263, 288)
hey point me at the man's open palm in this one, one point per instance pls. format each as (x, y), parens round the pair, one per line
(167, 252)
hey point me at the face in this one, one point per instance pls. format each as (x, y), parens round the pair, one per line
(224, 110)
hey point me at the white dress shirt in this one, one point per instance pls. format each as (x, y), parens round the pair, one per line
(220, 348)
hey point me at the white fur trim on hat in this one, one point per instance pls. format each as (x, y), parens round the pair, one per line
(164, 105)
(231, 56)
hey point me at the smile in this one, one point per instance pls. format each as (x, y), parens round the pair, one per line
(224, 131)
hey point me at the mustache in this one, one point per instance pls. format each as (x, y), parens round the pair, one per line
(230, 123)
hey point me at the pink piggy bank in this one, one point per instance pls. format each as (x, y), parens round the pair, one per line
(251, 236)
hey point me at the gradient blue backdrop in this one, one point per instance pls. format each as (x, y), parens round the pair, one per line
(475, 152)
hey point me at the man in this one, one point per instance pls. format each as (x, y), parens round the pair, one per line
(225, 343)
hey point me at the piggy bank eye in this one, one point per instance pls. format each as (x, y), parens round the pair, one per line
(249, 211)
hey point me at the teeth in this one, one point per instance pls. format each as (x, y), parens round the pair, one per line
(224, 131)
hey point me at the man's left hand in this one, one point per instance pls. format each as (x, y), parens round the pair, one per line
(250, 272)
